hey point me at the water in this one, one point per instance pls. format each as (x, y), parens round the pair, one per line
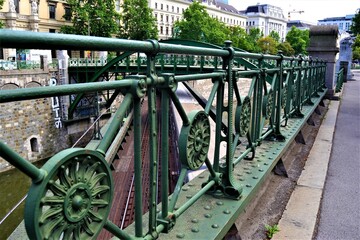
(14, 186)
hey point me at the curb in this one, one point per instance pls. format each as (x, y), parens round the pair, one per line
(300, 216)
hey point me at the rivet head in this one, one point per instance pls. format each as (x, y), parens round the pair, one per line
(207, 207)
(215, 226)
(188, 196)
(219, 203)
(194, 220)
(255, 177)
(208, 215)
(195, 229)
(226, 211)
(248, 185)
(180, 235)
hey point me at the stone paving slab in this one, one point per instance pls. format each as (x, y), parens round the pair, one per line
(299, 219)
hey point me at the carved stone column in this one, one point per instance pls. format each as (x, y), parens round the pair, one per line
(324, 45)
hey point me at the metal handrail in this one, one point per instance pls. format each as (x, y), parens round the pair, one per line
(279, 90)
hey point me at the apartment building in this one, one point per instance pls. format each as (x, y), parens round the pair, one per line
(167, 12)
(343, 23)
(267, 18)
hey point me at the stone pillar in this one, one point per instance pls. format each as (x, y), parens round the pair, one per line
(34, 22)
(323, 45)
(44, 63)
(63, 61)
(345, 57)
(11, 20)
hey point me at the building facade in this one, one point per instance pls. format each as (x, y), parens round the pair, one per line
(267, 18)
(343, 23)
(167, 12)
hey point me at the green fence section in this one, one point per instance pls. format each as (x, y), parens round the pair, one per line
(71, 194)
(339, 80)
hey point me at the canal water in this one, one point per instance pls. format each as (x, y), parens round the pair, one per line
(14, 185)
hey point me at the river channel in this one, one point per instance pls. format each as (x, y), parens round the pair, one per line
(14, 185)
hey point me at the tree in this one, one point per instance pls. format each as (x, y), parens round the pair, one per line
(275, 36)
(355, 26)
(254, 35)
(138, 21)
(92, 17)
(298, 39)
(1, 4)
(286, 49)
(356, 48)
(193, 24)
(267, 45)
(239, 37)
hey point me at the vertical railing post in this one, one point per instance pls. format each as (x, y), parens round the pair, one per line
(137, 168)
(279, 90)
(153, 133)
(231, 189)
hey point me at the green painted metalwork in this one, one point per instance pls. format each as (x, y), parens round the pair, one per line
(71, 194)
(339, 80)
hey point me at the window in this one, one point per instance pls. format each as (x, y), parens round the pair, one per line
(167, 31)
(52, 30)
(161, 6)
(67, 15)
(17, 4)
(34, 145)
(156, 5)
(178, 10)
(172, 8)
(167, 18)
(172, 19)
(155, 15)
(52, 11)
(161, 29)
(161, 17)
(167, 8)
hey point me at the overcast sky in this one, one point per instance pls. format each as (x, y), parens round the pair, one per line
(314, 10)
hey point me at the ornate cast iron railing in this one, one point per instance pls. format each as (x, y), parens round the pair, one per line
(71, 194)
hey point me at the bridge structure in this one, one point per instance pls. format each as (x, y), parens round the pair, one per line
(71, 195)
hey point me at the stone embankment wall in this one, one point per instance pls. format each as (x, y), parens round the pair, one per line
(28, 127)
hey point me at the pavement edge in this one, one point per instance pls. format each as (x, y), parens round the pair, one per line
(300, 216)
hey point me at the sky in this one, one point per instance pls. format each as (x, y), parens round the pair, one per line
(314, 10)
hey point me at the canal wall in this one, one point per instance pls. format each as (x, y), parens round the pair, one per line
(27, 126)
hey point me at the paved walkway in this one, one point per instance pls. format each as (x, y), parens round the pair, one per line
(340, 209)
(328, 190)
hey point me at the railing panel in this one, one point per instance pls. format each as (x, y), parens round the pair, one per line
(71, 195)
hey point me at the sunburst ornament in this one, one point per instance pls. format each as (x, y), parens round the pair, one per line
(74, 199)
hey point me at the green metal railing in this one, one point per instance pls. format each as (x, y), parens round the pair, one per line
(71, 194)
(339, 80)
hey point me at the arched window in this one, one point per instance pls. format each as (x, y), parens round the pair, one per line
(34, 145)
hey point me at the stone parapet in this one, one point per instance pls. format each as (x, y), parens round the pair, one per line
(324, 45)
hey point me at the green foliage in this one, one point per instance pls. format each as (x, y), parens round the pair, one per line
(138, 21)
(254, 35)
(356, 48)
(275, 36)
(1, 4)
(271, 230)
(286, 49)
(298, 39)
(239, 38)
(355, 26)
(193, 26)
(92, 17)
(267, 45)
